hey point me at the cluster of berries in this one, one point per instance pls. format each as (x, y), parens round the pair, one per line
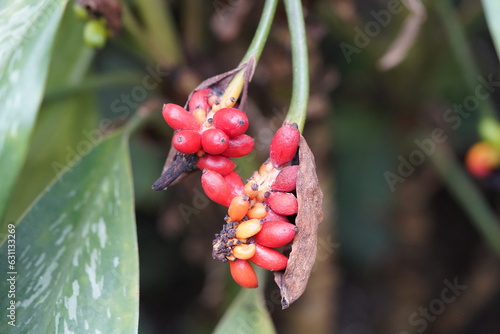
(259, 212)
(482, 159)
(213, 132)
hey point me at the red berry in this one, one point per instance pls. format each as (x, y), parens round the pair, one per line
(481, 159)
(284, 144)
(243, 274)
(239, 146)
(269, 258)
(235, 183)
(286, 179)
(275, 234)
(216, 187)
(199, 99)
(273, 216)
(217, 163)
(187, 141)
(283, 203)
(214, 141)
(232, 121)
(178, 118)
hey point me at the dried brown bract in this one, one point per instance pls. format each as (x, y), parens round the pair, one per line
(293, 281)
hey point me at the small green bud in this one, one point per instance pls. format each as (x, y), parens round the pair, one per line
(95, 34)
(489, 130)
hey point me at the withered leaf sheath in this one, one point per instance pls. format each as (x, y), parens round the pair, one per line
(178, 164)
(293, 281)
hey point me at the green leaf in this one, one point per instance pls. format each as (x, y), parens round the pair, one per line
(76, 251)
(74, 115)
(492, 12)
(246, 314)
(27, 30)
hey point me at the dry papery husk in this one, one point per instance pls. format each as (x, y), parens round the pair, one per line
(293, 281)
(178, 164)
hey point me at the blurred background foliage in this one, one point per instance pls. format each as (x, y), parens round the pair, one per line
(384, 254)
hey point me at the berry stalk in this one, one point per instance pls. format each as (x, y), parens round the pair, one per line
(260, 37)
(300, 94)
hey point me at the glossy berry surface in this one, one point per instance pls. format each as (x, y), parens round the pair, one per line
(216, 163)
(232, 121)
(286, 179)
(283, 203)
(269, 258)
(187, 141)
(248, 228)
(216, 187)
(234, 182)
(243, 274)
(238, 208)
(178, 118)
(199, 99)
(214, 141)
(275, 234)
(239, 146)
(284, 144)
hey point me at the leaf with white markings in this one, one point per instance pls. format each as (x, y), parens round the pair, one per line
(491, 11)
(76, 261)
(27, 28)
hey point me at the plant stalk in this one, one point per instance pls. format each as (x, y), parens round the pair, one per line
(300, 63)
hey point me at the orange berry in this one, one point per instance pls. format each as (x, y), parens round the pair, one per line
(248, 228)
(257, 211)
(243, 274)
(265, 168)
(238, 208)
(244, 251)
(200, 114)
(481, 159)
(262, 195)
(251, 189)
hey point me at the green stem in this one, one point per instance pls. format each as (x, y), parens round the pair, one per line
(300, 94)
(159, 23)
(157, 36)
(260, 37)
(469, 196)
(462, 51)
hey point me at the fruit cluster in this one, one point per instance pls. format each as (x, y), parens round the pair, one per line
(259, 212)
(210, 128)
